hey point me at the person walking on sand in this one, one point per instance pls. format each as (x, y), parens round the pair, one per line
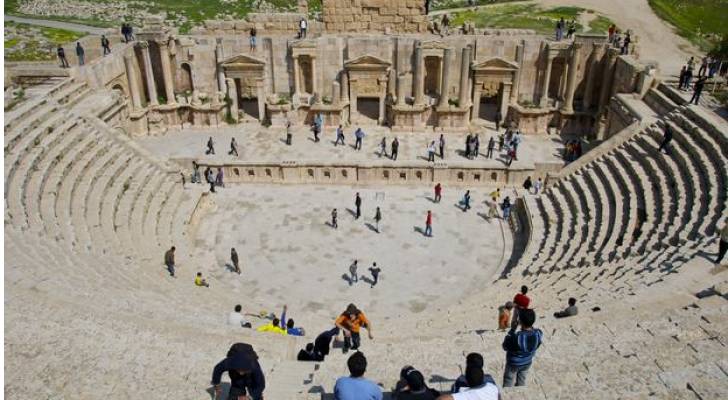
(431, 152)
(395, 149)
(105, 45)
(359, 135)
(350, 322)
(428, 224)
(339, 136)
(491, 147)
(374, 270)
(442, 146)
(352, 272)
(334, 216)
(210, 146)
(62, 57)
(169, 261)
(235, 260)
(383, 147)
(377, 218)
(537, 186)
(438, 193)
(493, 208)
(289, 133)
(465, 202)
(233, 148)
(357, 204)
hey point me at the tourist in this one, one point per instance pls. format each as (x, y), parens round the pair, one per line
(442, 146)
(465, 202)
(625, 43)
(289, 133)
(571, 30)
(506, 207)
(569, 311)
(210, 146)
(537, 186)
(681, 80)
(334, 217)
(359, 135)
(355, 386)
(689, 73)
(350, 322)
(235, 318)
(353, 277)
(374, 270)
(307, 354)
(62, 57)
(125, 32)
(200, 281)
(131, 32)
(438, 193)
(105, 45)
(559, 29)
(233, 148)
(515, 141)
(491, 147)
(377, 218)
(468, 144)
(611, 30)
(428, 224)
(462, 384)
(383, 147)
(666, 139)
(511, 155)
(528, 184)
(445, 24)
(318, 123)
(339, 136)
(219, 178)
(246, 377)
(80, 53)
(501, 141)
(476, 146)
(169, 261)
(431, 152)
(322, 344)
(504, 315)
(520, 348)
(357, 204)
(521, 302)
(235, 260)
(411, 386)
(493, 208)
(698, 89)
(496, 194)
(195, 173)
(274, 326)
(691, 64)
(302, 28)
(723, 245)
(183, 179)
(395, 149)
(289, 325)
(253, 39)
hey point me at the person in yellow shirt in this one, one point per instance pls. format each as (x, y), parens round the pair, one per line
(350, 322)
(200, 281)
(274, 326)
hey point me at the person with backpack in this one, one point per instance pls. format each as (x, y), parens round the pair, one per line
(521, 348)
(246, 376)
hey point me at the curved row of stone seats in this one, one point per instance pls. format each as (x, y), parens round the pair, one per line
(632, 349)
(66, 177)
(632, 200)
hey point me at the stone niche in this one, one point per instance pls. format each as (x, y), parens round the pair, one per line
(247, 91)
(368, 78)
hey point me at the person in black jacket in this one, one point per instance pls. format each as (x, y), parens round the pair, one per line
(246, 376)
(322, 344)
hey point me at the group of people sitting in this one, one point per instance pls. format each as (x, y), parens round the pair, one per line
(281, 326)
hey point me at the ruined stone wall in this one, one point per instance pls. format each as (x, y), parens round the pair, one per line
(374, 16)
(276, 23)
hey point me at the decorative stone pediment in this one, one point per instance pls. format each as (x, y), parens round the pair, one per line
(495, 64)
(243, 62)
(367, 62)
(433, 44)
(304, 43)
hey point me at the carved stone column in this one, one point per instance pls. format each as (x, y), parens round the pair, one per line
(136, 99)
(547, 77)
(517, 74)
(220, 73)
(260, 92)
(151, 88)
(382, 99)
(167, 73)
(571, 79)
(474, 113)
(592, 64)
(344, 86)
(314, 88)
(607, 74)
(418, 78)
(232, 92)
(296, 76)
(335, 93)
(464, 95)
(446, 72)
(400, 91)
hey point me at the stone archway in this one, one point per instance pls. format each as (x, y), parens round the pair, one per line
(492, 85)
(185, 81)
(248, 74)
(368, 79)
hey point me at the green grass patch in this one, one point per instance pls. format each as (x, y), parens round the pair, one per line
(695, 20)
(518, 16)
(11, 43)
(38, 43)
(60, 35)
(600, 24)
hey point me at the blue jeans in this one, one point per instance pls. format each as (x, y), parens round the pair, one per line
(170, 268)
(428, 230)
(520, 372)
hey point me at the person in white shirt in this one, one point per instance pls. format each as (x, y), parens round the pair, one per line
(235, 318)
(478, 387)
(302, 26)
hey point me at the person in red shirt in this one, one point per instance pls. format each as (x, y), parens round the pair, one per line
(521, 302)
(438, 193)
(428, 224)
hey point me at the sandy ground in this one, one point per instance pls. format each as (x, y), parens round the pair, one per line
(657, 39)
(256, 143)
(290, 254)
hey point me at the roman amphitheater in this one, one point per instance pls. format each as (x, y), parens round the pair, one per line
(94, 196)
